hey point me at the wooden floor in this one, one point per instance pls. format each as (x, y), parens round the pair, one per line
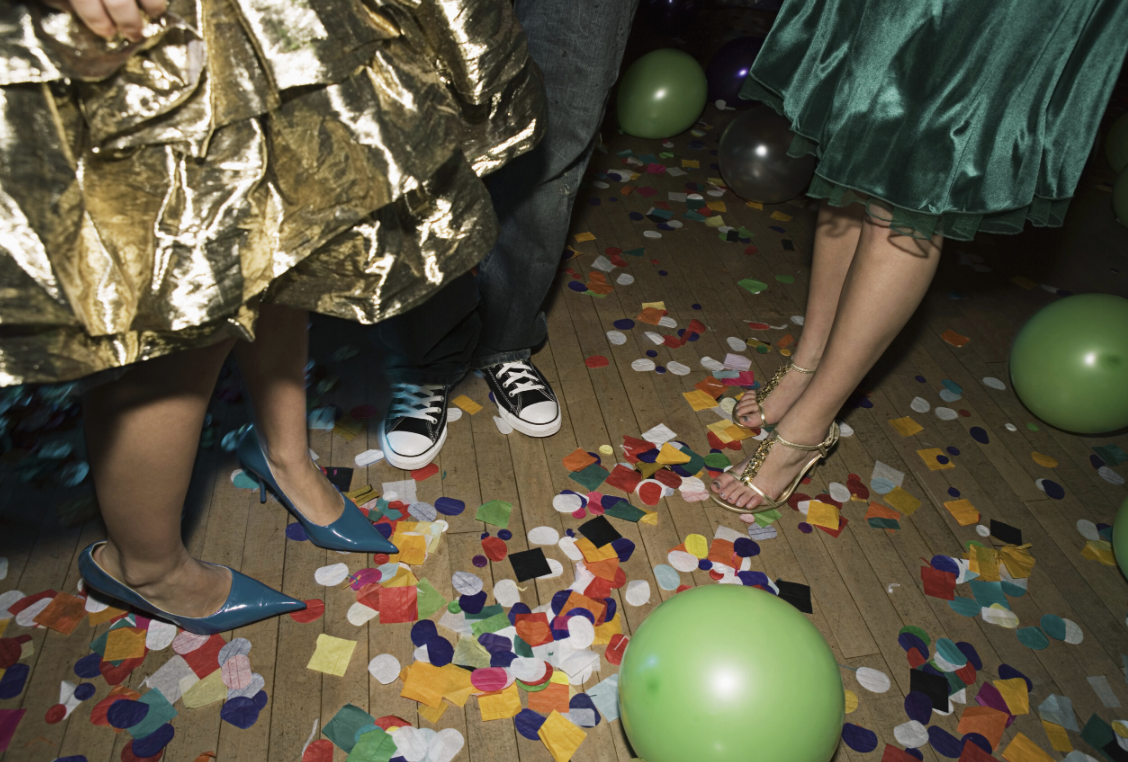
(865, 584)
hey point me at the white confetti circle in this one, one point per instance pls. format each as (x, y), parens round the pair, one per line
(502, 426)
(873, 680)
(506, 593)
(946, 414)
(453, 414)
(667, 322)
(465, 583)
(581, 632)
(1011, 427)
(736, 345)
(567, 502)
(385, 668)
(1088, 530)
(643, 364)
(682, 561)
(567, 545)
(708, 363)
(677, 368)
(655, 337)
(331, 575)
(920, 405)
(555, 569)
(839, 492)
(911, 734)
(1110, 476)
(543, 536)
(358, 614)
(993, 383)
(638, 592)
(1073, 634)
(982, 531)
(844, 430)
(616, 337)
(652, 234)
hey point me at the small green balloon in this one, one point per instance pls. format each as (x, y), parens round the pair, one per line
(727, 672)
(1119, 538)
(1116, 144)
(661, 94)
(1120, 197)
(1069, 363)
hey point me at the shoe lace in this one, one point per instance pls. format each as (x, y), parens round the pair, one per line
(521, 374)
(416, 401)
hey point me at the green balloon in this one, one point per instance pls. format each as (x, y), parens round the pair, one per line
(1069, 363)
(1119, 538)
(662, 94)
(1120, 197)
(1116, 144)
(726, 673)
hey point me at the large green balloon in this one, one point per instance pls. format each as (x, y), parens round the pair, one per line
(662, 94)
(1116, 144)
(727, 673)
(1119, 538)
(1069, 363)
(1120, 197)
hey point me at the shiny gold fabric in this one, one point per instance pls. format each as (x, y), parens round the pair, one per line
(321, 154)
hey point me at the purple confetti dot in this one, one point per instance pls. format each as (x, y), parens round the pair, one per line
(151, 745)
(296, 532)
(84, 691)
(663, 273)
(918, 706)
(979, 435)
(953, 451)
(804, 527)
(576, 285)
(651, 353)
(695, 306)
(479, 561)
(953, 492)
(920, 379)
(636, 216)
(858, 738)
(625, 324)
(659, 369)
(1053, 489)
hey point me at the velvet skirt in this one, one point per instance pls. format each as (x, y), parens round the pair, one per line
(946, 117)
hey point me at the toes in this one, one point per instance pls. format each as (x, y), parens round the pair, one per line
(721, 483)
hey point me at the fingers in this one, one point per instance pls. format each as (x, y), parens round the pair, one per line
(59, 5)
(155, 8)
(94, 15)
(126, 16)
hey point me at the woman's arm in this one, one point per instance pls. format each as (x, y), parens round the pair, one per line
(109, 18)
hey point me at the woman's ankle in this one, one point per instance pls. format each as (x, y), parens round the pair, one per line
(140, 573)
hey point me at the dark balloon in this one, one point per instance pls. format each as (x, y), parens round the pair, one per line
(754, 161)
(729, 68)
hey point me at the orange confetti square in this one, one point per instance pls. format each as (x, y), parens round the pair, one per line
(63, 613)
(578, 460)
(554, 698)
(711, 386)
(954, 338)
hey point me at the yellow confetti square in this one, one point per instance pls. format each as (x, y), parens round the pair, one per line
(500, 705)
(468, 405)
(781, 216)
(348, 427)
(1014, 692)
(691, 164)
(412, 549)
(593, 554)
(1018, 561)
(754, 205)
(929, 456)
(717, 182)
(671, 456)
(423, 683)
(207, 691)
(821, 514)
(433, 714)
(906, 426)
(605, 631)
(986, 563)
(715, 221)
(717, 206)
(654, 305)
(902, 501)
(1099, 550)
(1059, 739)
(963, 512)
(699, 400)
(720, 428)
(1025, 283)
(561, 737)
(332, 655)
(125, 643)
(583, 237)
(402, 578)
(650, 518)
(1022, 749)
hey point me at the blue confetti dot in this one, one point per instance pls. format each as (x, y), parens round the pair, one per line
(576, 285)
(745, 547)
(915, 753)
(624, 325)
(448, 506)
(624, 548)
(1053, 489)
(942, 460)
(972, 655)
(422, 631)
(909, 641)
(858, 738)
(945, 744)
(1033, 638)
(920, 379)
(518, 608)
(528, 723)
(953, 451)
(953, 492)
(659, 369)
(87, 666)
(704, 564)
(12, 683)
(918, 706)
(945, 563)
(151, 745)
(636, 216)
(473, 604)
(241, 711)
(503, 659)
(84, 691)
(664, 226)
(777, 229)
(978, 740)
(296, 532)
(439, 651)
(584, 701)
(505, 534)
(752, 578)
(663, 273)
(979, 435)
(695, 306)
(126, 713)
(559, 599)
(1007, 672)
(651, 353)
(484, 535)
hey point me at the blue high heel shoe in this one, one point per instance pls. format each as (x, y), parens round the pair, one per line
(249, 600)
(352, 532)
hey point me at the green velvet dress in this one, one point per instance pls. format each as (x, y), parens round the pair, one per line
(953, 116)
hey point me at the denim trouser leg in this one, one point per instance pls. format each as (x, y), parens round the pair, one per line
(578, 44)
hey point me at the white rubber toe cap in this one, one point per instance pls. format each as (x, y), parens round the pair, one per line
(408, 443)
(541, 412)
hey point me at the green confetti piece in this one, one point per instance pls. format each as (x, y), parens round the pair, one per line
(591, 477)
(1111, 454)
(877, 523)
(635, 252)
(625, 511)
(470, 653)
(912, 629)
(495, 512)
(695, 216)
(341, 730)
(1032, 427)
(160, 712)
(767, 518)
(752, 286)
(593, 294)
(428, 600)
(745, 233)
(1097, 733)
(453, 607)
(763, 349)
(485, 613)
(521, 648)
(1033, 637)
(374, 745)
(785, 278)
(493, 624)
(964, 606)
(666, 155)
(717, 461)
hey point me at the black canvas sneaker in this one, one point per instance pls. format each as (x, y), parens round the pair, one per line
(415, 427)
(524, 398)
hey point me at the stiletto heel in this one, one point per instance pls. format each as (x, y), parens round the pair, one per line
(351, 532)
(757, 460)
(249, 600)
(765, 391)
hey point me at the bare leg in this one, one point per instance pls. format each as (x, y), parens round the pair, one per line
(142, 433)
(887, 280)
(836, 239)
(273, 367)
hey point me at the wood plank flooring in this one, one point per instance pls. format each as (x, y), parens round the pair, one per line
(865, 584)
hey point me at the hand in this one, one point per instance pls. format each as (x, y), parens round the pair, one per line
(108, 18)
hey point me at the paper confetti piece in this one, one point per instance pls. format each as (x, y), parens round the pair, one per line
(583, 237)
(560, 736)
(1022, 749)
(823, 515)
(1104, 692)
(963, 512)
(872, 680)
(466, 404)
(906, 426)
(936, 459)
(902, 501)
(954, 338)
(332, 655)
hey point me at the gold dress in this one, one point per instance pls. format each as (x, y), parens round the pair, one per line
(319, 154)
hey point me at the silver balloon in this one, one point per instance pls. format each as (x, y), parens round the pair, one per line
(754, 161)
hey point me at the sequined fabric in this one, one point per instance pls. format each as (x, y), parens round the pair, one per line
(320, 154)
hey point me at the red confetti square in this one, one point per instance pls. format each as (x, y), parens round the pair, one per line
(669, 478)
(938, 584)
(972, 753)
(205, 659)
(597, 361)
(311, 613)
(534, 629)
(616, 648)
(624, 478)
(398, 604)
(842, 522)
(893, 754)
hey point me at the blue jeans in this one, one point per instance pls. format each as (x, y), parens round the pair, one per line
(578, 45)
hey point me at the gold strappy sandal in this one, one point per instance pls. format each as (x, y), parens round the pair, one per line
(765, 390)
(757, 460)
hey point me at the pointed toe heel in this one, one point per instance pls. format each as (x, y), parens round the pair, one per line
(249, 600)
(352, 532)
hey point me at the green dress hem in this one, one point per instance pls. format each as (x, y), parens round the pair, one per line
(956, 225)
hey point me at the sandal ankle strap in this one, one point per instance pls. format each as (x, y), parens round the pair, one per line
(831, 438)
(803, 370)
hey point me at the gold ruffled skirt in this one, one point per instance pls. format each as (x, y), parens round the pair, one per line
(318, 154)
